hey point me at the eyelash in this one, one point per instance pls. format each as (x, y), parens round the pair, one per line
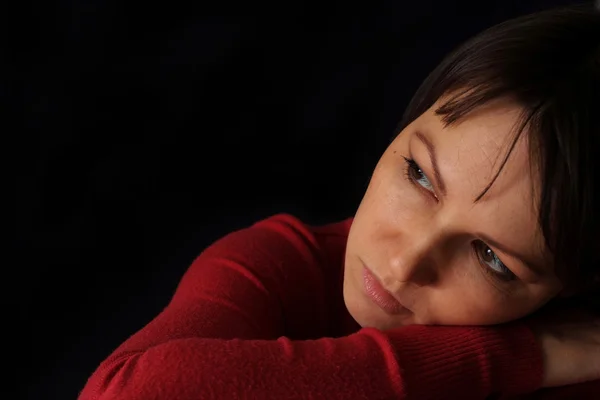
(413, 168)
(479, 247)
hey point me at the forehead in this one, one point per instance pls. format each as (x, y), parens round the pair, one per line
(469, 154)
(490, 129)
(477, 145)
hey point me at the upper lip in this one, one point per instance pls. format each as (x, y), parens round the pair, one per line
(383, 286)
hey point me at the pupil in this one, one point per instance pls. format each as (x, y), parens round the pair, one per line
(417, 172)
(488, 254)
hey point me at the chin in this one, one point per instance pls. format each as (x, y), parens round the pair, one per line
(367, 315)
(383, 324)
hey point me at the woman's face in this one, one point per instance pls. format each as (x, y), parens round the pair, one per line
(441, 257)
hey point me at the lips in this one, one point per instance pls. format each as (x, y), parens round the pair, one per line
(378, 295)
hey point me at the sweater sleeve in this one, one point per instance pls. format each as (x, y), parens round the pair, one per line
(244, 323)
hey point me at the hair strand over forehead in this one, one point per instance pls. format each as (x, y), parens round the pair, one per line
(548, 64)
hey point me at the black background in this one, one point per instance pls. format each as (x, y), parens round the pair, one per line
(143, 132)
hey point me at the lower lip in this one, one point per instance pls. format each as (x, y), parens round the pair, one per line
(379, 295)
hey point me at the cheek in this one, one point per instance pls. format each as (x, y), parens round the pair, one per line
(474, 301)
(390, 198)
(463, 296)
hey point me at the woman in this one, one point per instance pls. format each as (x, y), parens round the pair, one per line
(481, 212)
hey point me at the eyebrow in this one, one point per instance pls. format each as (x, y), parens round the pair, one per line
(532, 267)
(439, 182)
(436, 171)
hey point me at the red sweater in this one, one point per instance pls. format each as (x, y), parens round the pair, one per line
(260, 315)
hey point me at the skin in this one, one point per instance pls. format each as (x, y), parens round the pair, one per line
(420, 241)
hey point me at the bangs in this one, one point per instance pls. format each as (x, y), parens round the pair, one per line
(462, 103)
(548, 64)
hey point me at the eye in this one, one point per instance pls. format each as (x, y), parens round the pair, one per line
(491, 263)
(415, 174)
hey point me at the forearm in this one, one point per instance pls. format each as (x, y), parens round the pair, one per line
(409, 363)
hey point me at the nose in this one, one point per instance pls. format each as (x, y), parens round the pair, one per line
(415, 256)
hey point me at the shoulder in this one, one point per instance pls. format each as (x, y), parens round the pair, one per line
(282, 239)
(293, 228)
(281, 244)
(323, 241)
(279, 262)
(286, 227)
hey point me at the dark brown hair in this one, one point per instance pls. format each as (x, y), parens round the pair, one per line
(549, 64)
